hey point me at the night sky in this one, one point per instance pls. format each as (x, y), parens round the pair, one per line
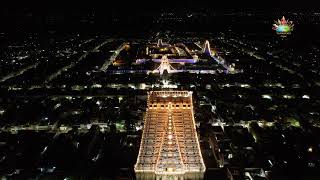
(139, 6)
(35, 15)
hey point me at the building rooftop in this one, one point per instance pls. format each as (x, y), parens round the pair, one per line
(169, 142)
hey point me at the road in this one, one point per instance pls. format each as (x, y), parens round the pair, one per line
(66, 68)
(82, 128)
(113, 57)
(17, 73)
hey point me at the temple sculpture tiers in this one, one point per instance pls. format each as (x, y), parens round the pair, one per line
(169, 148)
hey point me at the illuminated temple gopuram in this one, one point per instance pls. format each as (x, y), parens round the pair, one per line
(169, 147)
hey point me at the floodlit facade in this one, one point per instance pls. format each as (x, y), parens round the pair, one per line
(169, 146)
(207, 49)
(164, 65)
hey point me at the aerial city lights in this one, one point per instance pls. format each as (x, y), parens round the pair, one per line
(176, 94)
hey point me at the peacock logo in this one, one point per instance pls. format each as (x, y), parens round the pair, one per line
(283, 27)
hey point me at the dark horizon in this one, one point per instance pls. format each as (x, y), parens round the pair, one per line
(146, 5)
(239, 90)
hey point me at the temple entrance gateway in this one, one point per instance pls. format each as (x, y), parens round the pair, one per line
(169, 147)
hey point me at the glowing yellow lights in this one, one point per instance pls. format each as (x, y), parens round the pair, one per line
(170, 169)
(310, 149)
(164, 150)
